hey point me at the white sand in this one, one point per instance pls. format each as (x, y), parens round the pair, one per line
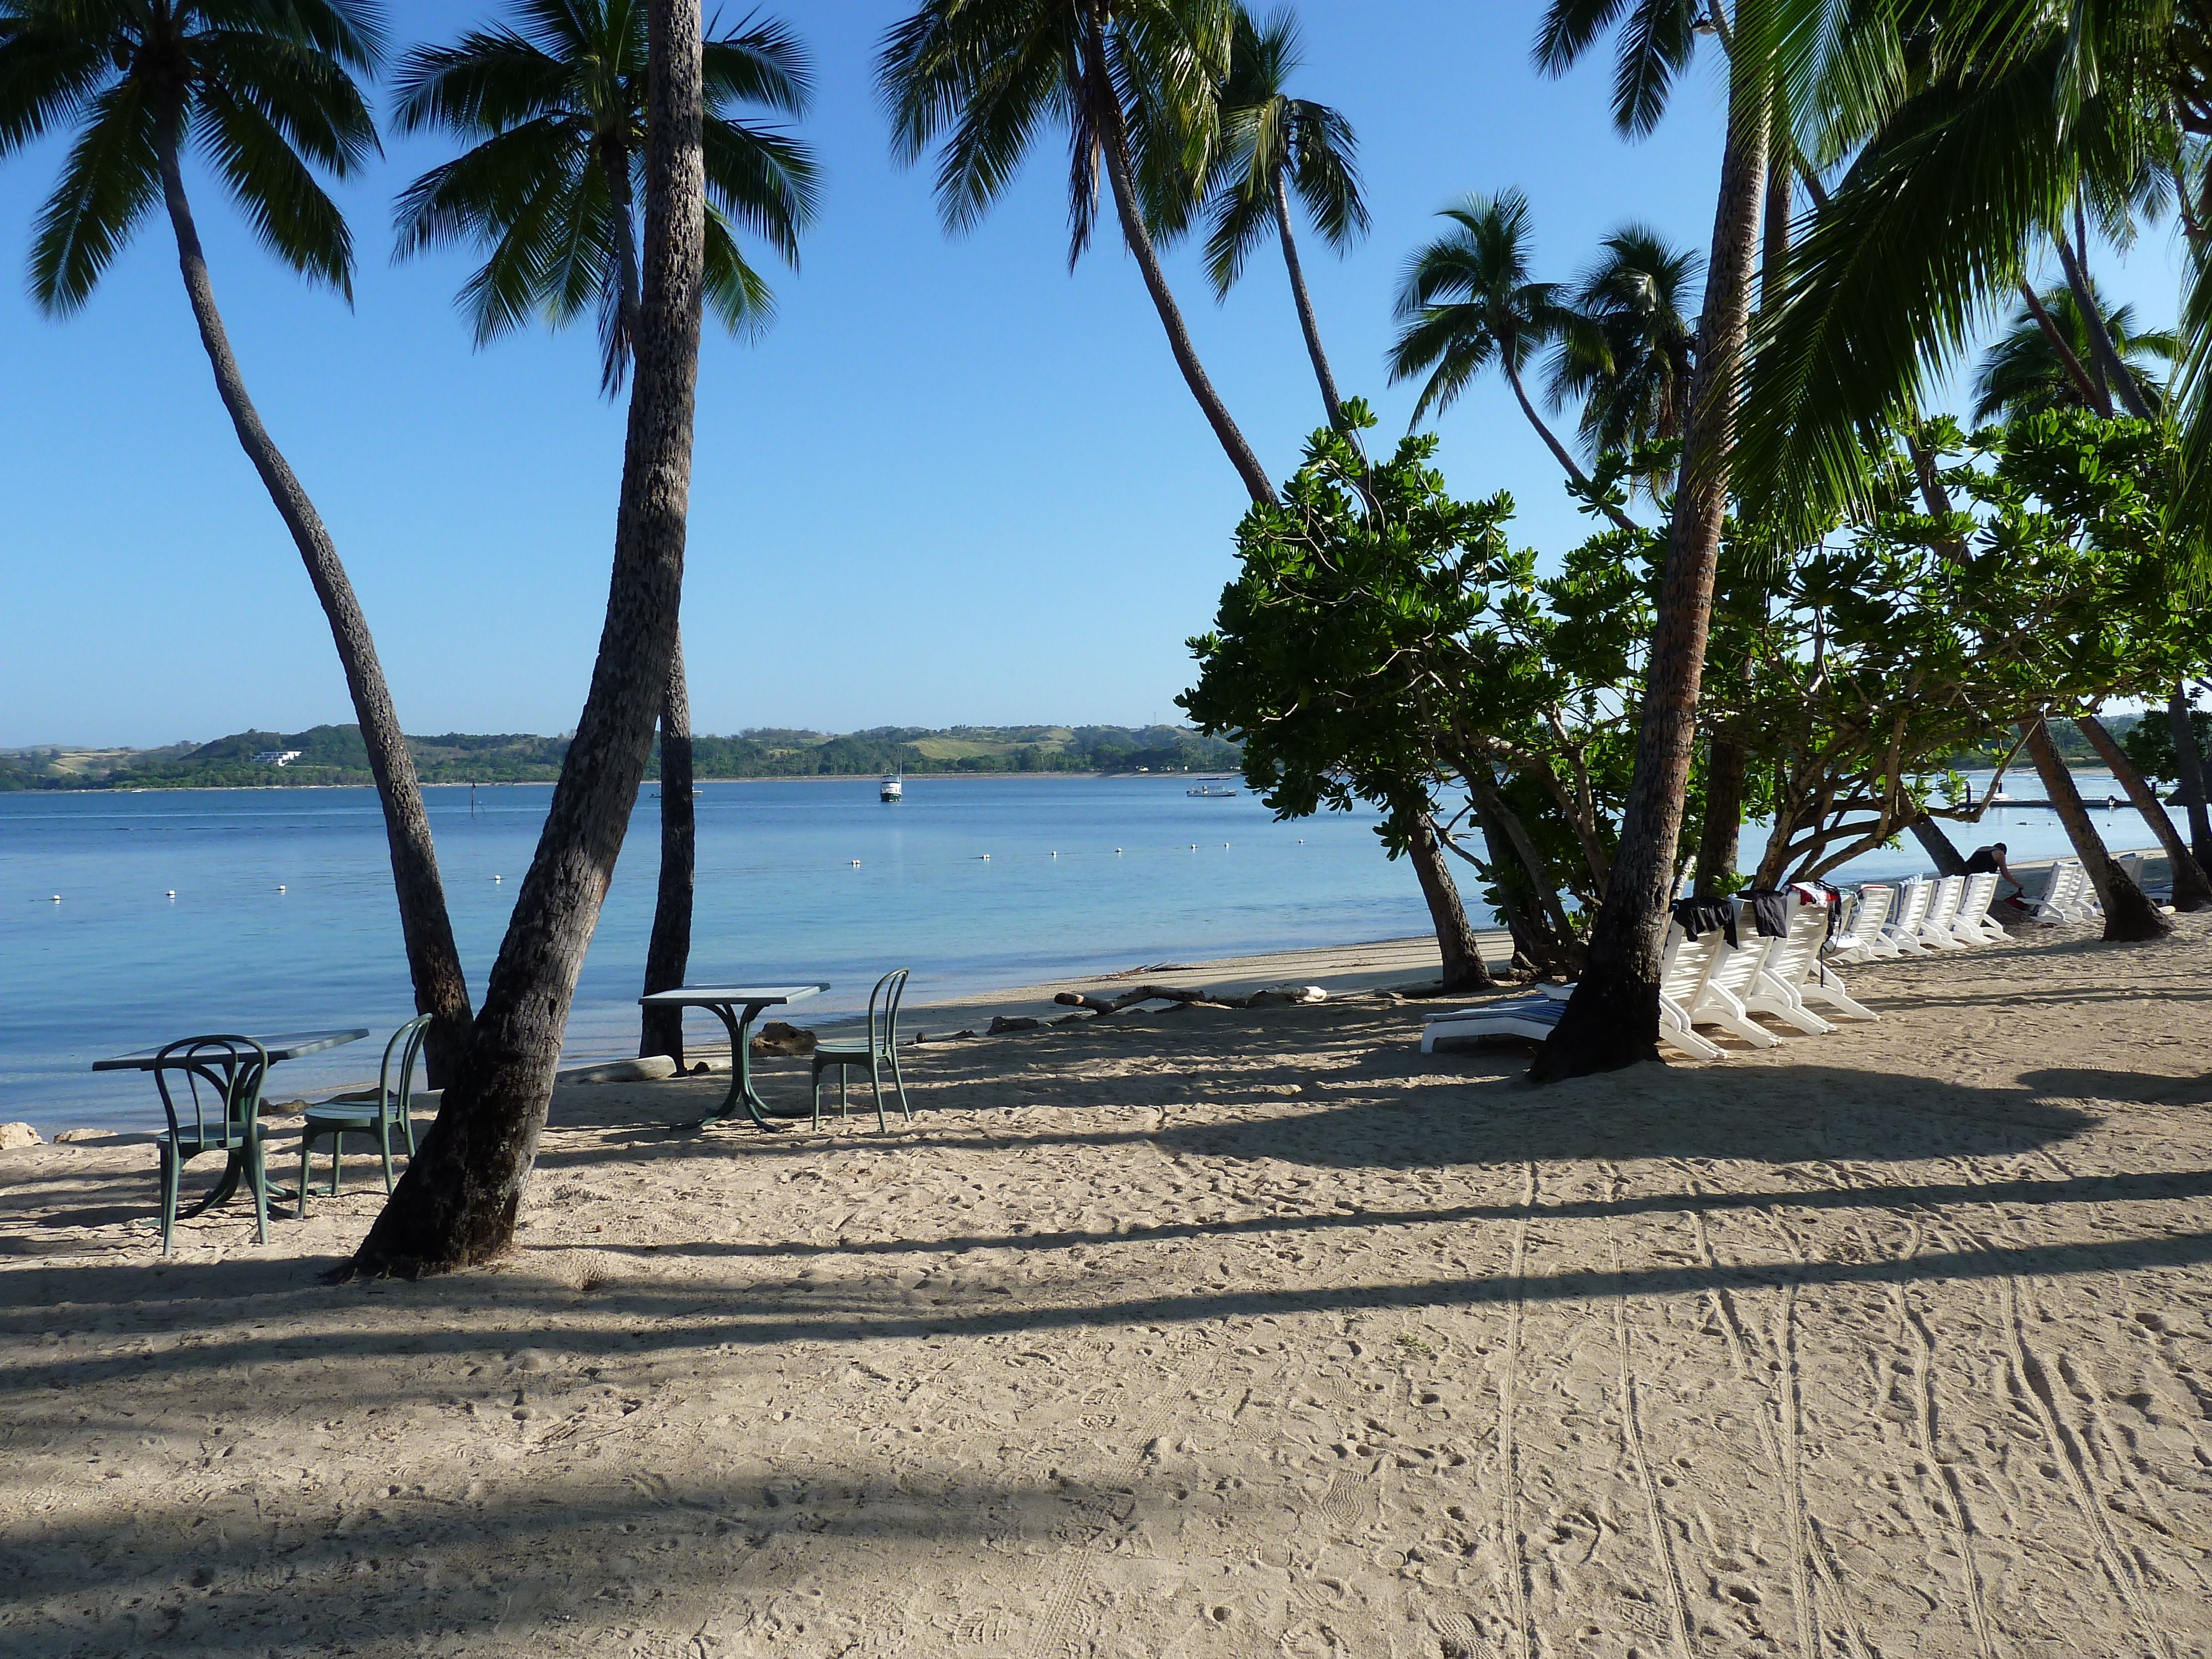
(1193, 1334)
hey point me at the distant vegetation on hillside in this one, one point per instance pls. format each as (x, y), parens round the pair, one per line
(335, 754)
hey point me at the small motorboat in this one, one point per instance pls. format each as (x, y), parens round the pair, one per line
(1207, 791)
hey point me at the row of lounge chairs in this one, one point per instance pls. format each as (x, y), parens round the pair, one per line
(1705, 980)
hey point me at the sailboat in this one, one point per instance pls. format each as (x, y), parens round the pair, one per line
(894, 787)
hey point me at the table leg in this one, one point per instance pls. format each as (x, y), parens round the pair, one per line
(225, 1184)
(740, 1028)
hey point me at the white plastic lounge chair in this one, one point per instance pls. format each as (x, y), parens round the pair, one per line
(1975, 925)
(1936, 926)
(1774, 990)
(1912, 901)
(2068, 898)
(1533, 1017)
(1861, 937)
(1720, 1003)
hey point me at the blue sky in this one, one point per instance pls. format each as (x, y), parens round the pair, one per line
(953, 483)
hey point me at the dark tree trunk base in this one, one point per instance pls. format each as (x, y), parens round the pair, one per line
(1611, 1023)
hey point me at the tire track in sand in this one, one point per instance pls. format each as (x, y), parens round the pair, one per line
(1779, 1437)
(1631, 1425)
(1513, 1555)
(1926, 1431)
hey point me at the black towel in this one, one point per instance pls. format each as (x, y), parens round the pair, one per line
(1770, 910)
(1699, 916)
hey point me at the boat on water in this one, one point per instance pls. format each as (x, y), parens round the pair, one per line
(1207, 791)
(894, 787)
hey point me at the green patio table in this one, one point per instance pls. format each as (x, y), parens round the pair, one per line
(724, 1001)
(286, 1045)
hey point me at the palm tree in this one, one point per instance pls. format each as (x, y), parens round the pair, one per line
(1467, 301)
(1134, 82)
(1270, 144)
(462, 1194)
(556, 105)
(1627, 353)
(1612, 1019)
(265, 90)
(2023, 373)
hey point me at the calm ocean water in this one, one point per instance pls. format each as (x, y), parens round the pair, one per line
(282, 916)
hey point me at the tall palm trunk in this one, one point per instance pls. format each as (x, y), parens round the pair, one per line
(2190, 890)
(433, 961)
(1728, 758)
(1464, 970)
(1113, 140)
(669, 953)
(1613, 1018)
(2188, 760)
(1621, 520)
(2128, 915)
(458, 1201)
(668, 956)
(1329, 400)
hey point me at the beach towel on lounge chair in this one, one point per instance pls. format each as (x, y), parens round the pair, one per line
(1774, 990)
(1718, 1001)
(1862, 939)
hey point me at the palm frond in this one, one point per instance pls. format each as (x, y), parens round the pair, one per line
(112, 177)
(273, 188)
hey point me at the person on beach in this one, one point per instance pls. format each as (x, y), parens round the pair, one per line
(1991, 860)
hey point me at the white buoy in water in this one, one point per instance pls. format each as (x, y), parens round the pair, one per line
(1194, 847)
(172, 892)
(280, 887)
(987, 858)
(856, 864)
(499, 877)
(58, 898)
(1117, 849)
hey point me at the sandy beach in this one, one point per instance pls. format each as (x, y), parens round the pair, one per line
(1202, 1332)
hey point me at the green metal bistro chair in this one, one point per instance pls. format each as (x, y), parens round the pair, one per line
(220, 1112)
(879, 1053)
(391, 1110)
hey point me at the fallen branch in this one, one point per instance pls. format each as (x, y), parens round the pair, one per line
(1143, 993)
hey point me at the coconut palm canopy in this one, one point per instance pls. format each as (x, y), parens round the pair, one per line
(2023, 374)
(264, 90)
(1625, 354)
(556, 103)
(1271, 145)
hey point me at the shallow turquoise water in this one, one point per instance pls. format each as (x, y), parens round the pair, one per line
(119, 964)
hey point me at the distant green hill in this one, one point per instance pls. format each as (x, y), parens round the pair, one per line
(336, 755)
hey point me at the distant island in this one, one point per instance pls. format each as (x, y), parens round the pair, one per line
(333, 755)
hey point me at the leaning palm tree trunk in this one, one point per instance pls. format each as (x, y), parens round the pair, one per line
(1329, 400)
(2128, 915)
(433, 961)
(1582, 480)
(2190, 890)
(1613, 1018)
(668, 956)
(458, 1201)
(2111, 371)
(2189, 761)
(1113, 141)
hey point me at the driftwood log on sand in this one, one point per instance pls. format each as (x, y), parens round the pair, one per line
(1273, 996)
(1129, 999)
